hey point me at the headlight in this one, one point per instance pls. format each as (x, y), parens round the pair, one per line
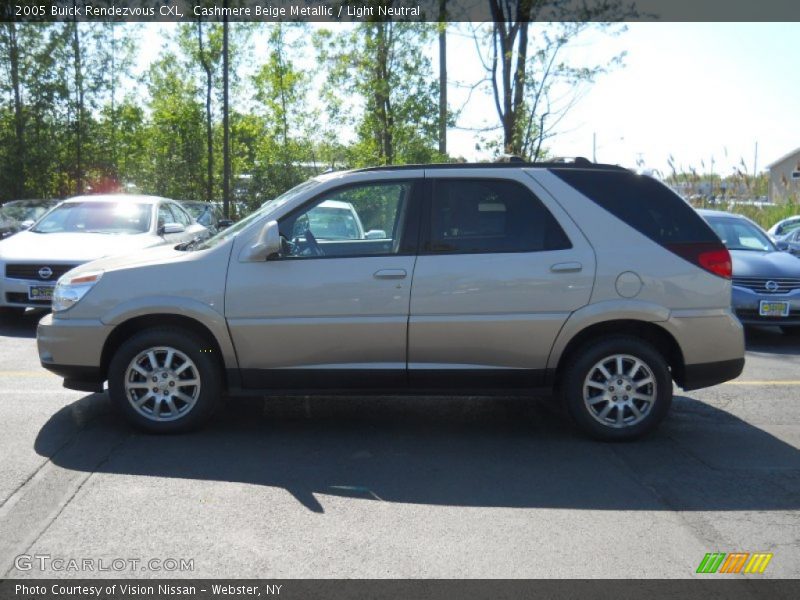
(71, 288)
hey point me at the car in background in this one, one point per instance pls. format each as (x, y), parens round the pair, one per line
(784, 227)
(17, 215)
(335, 220)
(791, 242)
(80, 230)
(208, 215)
(766, 280)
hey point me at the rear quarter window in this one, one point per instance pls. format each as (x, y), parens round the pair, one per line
(643, 203)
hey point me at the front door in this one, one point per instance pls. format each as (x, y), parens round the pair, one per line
(332, 310)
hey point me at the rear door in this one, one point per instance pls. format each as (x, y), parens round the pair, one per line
(499, 272)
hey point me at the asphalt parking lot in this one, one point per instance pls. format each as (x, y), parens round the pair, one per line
(447, 488)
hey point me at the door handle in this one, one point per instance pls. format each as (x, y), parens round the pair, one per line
(566, 267)
(390, 274)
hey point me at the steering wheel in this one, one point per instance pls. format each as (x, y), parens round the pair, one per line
(313, 244)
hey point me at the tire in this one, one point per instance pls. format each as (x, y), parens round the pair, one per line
(589, 395)
(790, 329)
(130, 380)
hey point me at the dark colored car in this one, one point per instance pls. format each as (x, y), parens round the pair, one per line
(208, 215)
(17, 215)
(766, 280)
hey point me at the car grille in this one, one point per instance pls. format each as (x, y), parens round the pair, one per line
(782, 285)
(28, 271)
(22, 298)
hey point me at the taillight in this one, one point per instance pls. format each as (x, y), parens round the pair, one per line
(714, 258)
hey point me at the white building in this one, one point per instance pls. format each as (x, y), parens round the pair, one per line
(784, 177)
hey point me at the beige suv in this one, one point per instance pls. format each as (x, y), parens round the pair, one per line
(585, 279)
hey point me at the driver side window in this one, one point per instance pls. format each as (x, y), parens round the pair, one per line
(363, 220)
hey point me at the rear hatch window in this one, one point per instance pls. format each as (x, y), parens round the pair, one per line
(643, 203)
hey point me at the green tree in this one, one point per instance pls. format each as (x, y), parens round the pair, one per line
(284, 149)
(380, 82)
(175, 136)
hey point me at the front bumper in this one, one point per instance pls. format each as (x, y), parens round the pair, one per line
(746, 302)
(14, 292)
(73, 349)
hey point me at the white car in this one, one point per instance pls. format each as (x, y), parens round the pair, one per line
(83, 229)
(336, 220)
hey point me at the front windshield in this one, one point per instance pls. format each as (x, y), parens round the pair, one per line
(266, 208)
(96, 217)
(740, 234)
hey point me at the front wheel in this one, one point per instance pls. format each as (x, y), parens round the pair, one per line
(617, 388)
(165, 380)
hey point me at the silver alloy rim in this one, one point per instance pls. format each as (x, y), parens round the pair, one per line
(619, 391)
(162, 384)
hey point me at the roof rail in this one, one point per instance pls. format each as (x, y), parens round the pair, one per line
(507, 162)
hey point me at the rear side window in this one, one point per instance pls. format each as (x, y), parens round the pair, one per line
(643, 203)
(478, 216)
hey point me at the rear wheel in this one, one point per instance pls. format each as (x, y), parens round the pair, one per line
(617, 388)
(163, 381)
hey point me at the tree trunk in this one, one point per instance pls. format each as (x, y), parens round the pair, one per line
(226, 126)
(443, 77)
(18, 189)
(383, 103)
(114, 165)
(79, 112)
(209, 125)
(510, 96)
(282, 88)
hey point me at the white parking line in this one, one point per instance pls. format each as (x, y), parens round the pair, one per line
(765, 382)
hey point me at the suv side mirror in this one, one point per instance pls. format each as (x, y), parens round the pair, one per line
(782, 245)
(375, 234)
(27, 223)
(168, 228)
(266, 246)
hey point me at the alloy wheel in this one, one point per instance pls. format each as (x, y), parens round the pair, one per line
(619, 391)
(162, 383)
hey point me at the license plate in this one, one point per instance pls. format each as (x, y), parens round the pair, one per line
(40, 292)
(773, 309)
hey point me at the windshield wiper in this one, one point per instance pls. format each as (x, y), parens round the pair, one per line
(190, 244)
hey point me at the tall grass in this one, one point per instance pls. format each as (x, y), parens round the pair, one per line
(734, 193)
(766, 216)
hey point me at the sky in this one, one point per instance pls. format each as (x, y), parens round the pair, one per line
(703, 93)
